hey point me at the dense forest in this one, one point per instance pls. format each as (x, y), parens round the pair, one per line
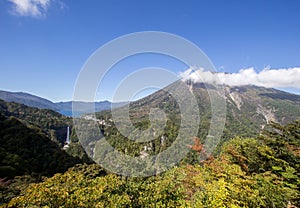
(249, 167)
(52, 123)
(249, 172)
(31, 147)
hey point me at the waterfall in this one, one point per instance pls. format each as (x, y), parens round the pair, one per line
(68, 136)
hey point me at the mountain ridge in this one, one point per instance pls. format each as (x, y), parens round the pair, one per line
(61, 107)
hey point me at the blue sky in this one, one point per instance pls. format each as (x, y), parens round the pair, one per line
(43, 49)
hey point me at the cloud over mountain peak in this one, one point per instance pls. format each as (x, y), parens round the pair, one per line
(275, 78)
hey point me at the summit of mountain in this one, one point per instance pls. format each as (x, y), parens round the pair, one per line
(247, 111)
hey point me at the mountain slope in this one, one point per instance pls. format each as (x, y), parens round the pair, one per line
(52, 123)
(246, 106)
(27, 99)
(249, 109)
(263, 105)
(27, 150)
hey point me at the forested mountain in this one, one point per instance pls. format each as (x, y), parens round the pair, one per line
(52, 123)
(27, 150)
(31, 146)
(248, 110)
(256, 163)
(26, 155)
(247, 106)
(249, 172)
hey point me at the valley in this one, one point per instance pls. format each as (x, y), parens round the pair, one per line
(149, 104)
(259, 145)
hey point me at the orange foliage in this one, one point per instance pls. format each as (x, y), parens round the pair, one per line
(199, 148)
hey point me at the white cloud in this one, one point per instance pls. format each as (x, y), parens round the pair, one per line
(275, 78)
(33, 8)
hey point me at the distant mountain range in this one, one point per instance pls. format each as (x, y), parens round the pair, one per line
(64, 108)
(257, 105)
